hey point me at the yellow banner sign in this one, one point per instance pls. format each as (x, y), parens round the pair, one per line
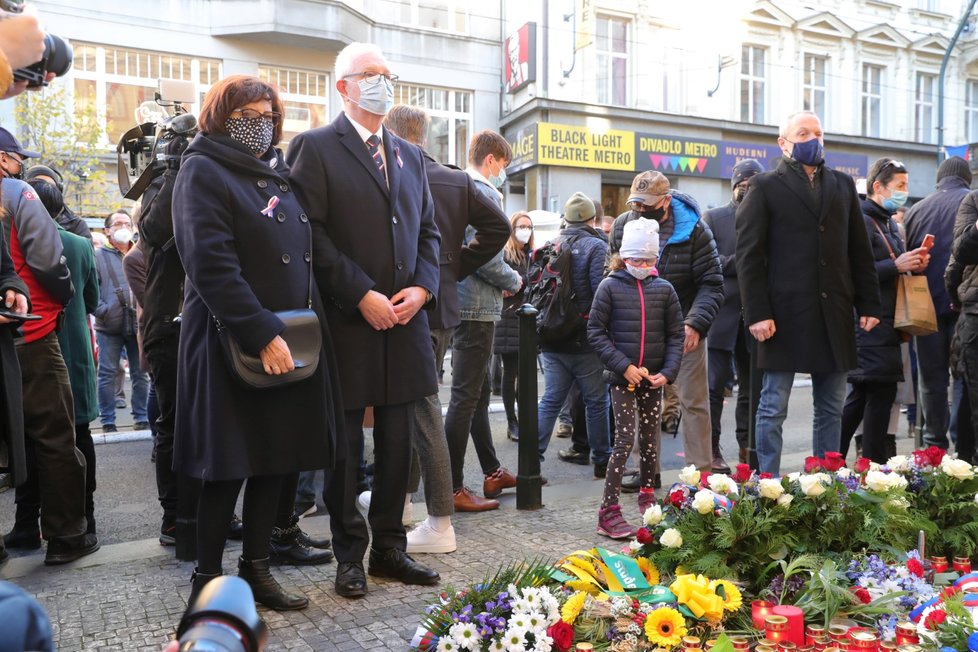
(585, 24)
(580, 147)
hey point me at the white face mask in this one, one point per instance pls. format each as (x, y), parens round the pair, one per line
(641, 273)
(523, 234)
(122, 236)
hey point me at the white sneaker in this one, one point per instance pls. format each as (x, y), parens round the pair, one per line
(363, 501)
(425, 538)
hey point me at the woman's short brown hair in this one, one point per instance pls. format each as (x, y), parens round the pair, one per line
(232, 93)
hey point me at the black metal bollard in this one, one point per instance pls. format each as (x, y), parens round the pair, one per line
(755, 398)
(528, 484)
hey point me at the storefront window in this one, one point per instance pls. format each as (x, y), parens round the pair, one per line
(451, 119)
(305, 94)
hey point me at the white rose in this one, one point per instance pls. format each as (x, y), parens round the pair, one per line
(793, 476)
(844, 473)
(689, 475)
(958, 469)
(721, 483)
(897, 481)
(811, 485)
(877, 481)
(703, 501)
(899, 463)
(770, 488)
(653, 516)
(671, 538)
(874, 466)
(784, 500)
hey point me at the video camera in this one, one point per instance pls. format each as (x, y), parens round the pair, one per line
(141, 151)
(58, 55)
(223, 618)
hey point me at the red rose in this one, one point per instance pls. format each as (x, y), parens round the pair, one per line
(743, 473)
(766, 476)
(862, 595)
(862, 464)
(562, 634)
(676, 497)
(935, 618)
(915, 567)
(813, 464)
(704, 476)
(934, 455)
(644, 536)
(834, 461)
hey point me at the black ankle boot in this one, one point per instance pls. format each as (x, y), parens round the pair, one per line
(286, 547)
(197, 582)
(266, 590)
(513, 429)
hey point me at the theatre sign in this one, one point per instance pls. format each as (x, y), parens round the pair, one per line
(580, 147)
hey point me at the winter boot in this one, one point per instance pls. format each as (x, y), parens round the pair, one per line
(613, 525)
(718, 465)
(197, 582)
(266, 590)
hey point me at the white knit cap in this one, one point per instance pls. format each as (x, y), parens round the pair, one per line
(640, 239)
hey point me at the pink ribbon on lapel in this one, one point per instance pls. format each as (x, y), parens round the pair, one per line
(272, 203)
(397, 155)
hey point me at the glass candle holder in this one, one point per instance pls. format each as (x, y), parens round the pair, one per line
(962, 565)
(776, 628)
(906, 632)
(759, 610)
(939, 564)
(796, 622)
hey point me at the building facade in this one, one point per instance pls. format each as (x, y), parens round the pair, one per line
(690, 88)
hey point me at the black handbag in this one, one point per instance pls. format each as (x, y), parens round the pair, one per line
(303, 335)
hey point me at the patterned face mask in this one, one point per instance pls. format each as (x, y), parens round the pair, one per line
(254, 133)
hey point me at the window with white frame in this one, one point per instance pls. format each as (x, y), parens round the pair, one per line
(753, 77)
(814, 99)
(451, 119)
(611, 47)
(305, 94)
(442, 15)
(872, 95)
(971, 110)
(924, 107)
(115, 81)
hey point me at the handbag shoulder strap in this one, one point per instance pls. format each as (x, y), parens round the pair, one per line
(885, 239)
(116, 285)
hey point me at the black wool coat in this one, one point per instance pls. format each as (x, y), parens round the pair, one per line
(13, 457)
(614, 328)
(370, 236)
(806, 266)
(506, 338)
(242, 266)
(880, 359)
(728, 322)
(458, 204)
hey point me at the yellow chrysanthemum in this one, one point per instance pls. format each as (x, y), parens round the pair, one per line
(732, 599)
(665, 627)
(581, 585)
(649, 569)
(573, 606)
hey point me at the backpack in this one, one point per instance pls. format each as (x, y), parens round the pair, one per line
(550, 290)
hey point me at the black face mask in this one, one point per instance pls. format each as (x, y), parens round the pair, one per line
(655, 214)
(7, 173)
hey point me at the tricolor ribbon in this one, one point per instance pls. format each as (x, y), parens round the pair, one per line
(270, 209)
(397, 155)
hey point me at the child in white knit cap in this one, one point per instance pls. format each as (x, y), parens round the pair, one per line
(636, 328)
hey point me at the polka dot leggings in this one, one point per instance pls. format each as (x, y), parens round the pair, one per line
(632, 409)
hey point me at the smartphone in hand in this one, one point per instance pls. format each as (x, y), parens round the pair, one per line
(16, 316)
(928, 241)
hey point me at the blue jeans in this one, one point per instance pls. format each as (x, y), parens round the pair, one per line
(933, 368)
(560, 371)
(828, 396)
(110, 350)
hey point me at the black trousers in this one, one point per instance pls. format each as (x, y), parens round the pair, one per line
(869, 403)
(967, 331)
(718, 362)
(162, 360)
(393, 432)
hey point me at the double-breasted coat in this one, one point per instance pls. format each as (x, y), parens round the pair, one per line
(368, 235)
(242, 266)
(803, 260)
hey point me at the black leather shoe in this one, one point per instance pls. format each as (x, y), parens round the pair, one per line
(22, 539)
(197, 582)
(351, 581)
(284, 547)
(66, 549)
(265, 588)
(601, 470)
(307, 539)
(236, 529)
(397, 564)
(631, 484)
(574, 457)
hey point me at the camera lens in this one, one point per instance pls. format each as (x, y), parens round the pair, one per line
(58, 55)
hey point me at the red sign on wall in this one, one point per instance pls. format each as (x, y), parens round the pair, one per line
(521, 57)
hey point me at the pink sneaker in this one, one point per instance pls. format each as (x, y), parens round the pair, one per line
(613, 525)
(645, 500)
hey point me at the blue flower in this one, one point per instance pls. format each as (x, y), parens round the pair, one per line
(973, 642)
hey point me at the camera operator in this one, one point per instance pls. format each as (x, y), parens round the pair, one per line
(66, 217)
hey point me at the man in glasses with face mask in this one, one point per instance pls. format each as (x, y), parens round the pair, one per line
(803, 264)
(376, 256)
(688, 259)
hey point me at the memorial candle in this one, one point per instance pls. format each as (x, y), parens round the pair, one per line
(796, 622)
(776, 628)
(962, 565)
(759, 610)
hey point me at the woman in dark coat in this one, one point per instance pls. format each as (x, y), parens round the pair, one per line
(246, 245)
(880, 364)
(506, 341)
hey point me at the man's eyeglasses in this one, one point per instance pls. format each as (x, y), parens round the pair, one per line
(374, 77)
(251, 114)
(893, 163)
